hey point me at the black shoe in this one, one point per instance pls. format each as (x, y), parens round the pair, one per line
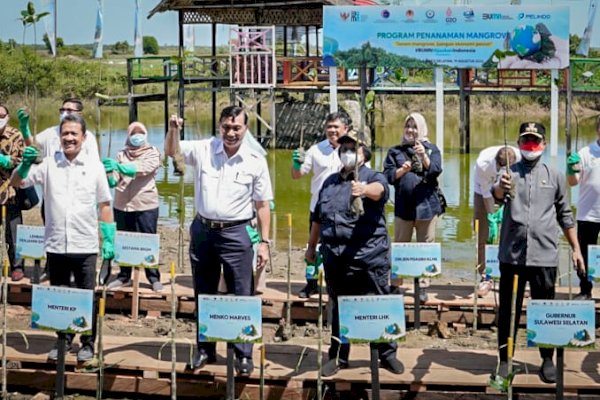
(393, 365)
(85, 353)
(245, 366)
(201, 359)
(53, 354)
(311, 288)
(548, 371)
(332, 367)
(583, 296)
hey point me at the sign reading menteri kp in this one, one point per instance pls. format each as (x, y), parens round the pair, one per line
(508, 37)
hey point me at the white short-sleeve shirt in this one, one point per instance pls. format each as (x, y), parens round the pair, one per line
(323, 159)
(72, 191)
(588, 205)
(49, 141)
(225, 188)
(485, 170)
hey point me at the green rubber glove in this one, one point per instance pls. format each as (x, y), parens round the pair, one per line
(109, 164)
(127, 169)
(297, 159)
(107, 232)
(253, 234)
(112, 181)
(494, 219)
(272, 205)
(5, 161)
(30, 154)
(573, 160)
(23, 117)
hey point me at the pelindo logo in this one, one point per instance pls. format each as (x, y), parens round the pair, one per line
(430, 14)
(385, 14)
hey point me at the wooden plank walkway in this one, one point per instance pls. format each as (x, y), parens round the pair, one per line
(448, 303)
(135, 367)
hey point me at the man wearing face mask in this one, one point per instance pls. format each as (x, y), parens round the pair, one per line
(135, 208)
(231, 180)
(535, 203)
(11, 151)
(355, 248)
(323, 160)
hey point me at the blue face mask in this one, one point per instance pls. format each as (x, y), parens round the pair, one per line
(137, 139)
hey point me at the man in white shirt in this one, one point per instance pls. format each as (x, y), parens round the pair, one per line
(230, 181)
(323, 160)
(487, 167)
(76, 191)
(583, 169)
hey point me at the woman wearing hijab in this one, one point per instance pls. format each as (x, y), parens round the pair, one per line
(413, 168)
(132, 175)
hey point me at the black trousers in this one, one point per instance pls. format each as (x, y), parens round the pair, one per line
(231, 248)
(541, 281)
(142, 222)
(83, 267)
(344, 279)
(14, 216)
(587, 234)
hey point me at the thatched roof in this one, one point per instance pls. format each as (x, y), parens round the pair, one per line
(249, 12)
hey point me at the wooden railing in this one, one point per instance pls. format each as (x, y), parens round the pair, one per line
(512, 78)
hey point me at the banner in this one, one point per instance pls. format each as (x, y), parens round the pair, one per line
(492, 264)
(372, 319)
(561, 323)
(134, 249)
(30, 242)
(508, 37)
(137, 33)
(236, 319)
(593, 266)
(97, 51)
(416, 259)
(62, 309)
(584, 45)
(50, 27)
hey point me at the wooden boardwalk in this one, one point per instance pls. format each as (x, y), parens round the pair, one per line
(447, 303)
(135, 368)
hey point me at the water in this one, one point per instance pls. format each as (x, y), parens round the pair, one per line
(454, 230)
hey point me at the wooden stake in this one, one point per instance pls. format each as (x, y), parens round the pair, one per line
(288, 311)
(173, 334)
(476, 276)
(135, 299)
(5, 266)
(511, 335)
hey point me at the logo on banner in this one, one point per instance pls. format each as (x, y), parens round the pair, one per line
(533, 16)
(344, 16)
(430, 14)
(469, 14)
(385, 14)
(495, 16)
(449, 18)
(409, 14)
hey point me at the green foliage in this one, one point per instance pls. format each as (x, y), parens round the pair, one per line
(375, 57)
(59, 43)
(63, 77)
(121, 47)
(150, 45)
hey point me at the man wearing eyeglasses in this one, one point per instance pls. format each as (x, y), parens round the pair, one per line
(230, 180)
(49, 139)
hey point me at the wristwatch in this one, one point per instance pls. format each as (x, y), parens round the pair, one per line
(267, 241)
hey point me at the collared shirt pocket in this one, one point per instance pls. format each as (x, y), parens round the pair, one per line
(242, 184)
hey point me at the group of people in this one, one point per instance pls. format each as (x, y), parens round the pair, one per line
(232, 196)
(75, 183)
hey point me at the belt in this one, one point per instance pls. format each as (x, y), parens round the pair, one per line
(214, 224)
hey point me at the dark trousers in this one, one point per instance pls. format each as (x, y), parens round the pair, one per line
(14, 218)
(83, 267)
(541, 281)
(142, 222)
(587, 234)
(231, 248)
(343, 279)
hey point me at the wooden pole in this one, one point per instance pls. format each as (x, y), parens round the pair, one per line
(173, 334)
(230, 373)
(5, 266)
(476, 276)
(288, 310)
(560, 373)
(135, 298)
(375, 387)
(511, 334)
(417, 304)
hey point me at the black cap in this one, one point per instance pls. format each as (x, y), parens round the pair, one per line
(532, 128)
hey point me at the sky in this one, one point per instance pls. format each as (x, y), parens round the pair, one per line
(77, 20)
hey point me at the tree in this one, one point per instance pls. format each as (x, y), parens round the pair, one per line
(29, 17)
(150, 45)
(59, 43)
(121, 47)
